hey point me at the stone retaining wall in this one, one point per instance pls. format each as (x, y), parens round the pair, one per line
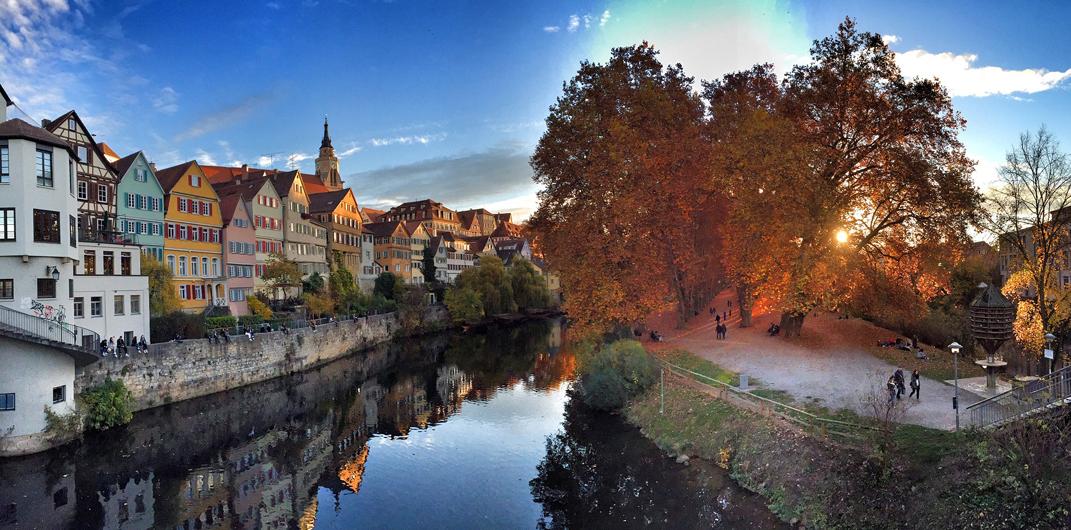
(173, 372)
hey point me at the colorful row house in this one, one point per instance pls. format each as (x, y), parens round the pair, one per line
(140, 212)
(193, 249)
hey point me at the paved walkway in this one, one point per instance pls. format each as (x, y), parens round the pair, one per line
(827, 365)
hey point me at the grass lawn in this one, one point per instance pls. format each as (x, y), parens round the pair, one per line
(938, 364)
(695, 363)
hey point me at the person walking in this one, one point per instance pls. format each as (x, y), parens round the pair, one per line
(890, 387)
(717, 318)
(915, 384)
(898, 376)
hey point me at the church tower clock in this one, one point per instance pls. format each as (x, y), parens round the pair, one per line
(327, 163)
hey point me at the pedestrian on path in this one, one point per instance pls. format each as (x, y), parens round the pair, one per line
(717, 318)
(898, 376)
(915, 384)
(890, 387)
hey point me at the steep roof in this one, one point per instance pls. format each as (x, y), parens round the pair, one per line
(4, 97)
(169, 176)
(283, 181)
(324, 202)
(247, 188)
(123, 164)
(372, 214)
(228, 204)
(313, 184)
(109, 154)
(56, 123)
(385, 229)
(413, 226)
(16, 128)
(219, 174)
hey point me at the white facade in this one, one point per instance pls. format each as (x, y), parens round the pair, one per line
(366, 276)
(111, 297)
(458, 259)
(25, 392)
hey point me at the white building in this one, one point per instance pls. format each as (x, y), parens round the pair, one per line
(459, 256)
(110, 293)
(370, 270)
(39, 347)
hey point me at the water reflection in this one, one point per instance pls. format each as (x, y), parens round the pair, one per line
(444, 431)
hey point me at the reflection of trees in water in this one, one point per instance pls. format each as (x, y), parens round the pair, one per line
(601, 472)
(502, 357)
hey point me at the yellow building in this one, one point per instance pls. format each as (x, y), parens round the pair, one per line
(193, 248)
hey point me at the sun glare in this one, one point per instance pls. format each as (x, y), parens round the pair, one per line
(842, 236)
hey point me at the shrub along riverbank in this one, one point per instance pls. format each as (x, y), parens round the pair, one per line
(904, 477)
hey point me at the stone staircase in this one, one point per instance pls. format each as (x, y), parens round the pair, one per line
(1035, 397)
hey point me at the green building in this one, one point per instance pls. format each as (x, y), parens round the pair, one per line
(140, 213)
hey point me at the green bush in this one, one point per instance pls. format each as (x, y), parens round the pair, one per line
(227, 321)
(464, 305)
(250, 320)
(108, 405)
(615, 373)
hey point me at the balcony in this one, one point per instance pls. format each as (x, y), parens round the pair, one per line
(114, 237)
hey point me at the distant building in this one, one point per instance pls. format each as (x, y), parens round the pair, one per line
(435, 217)
(239, 251)
(304, 242)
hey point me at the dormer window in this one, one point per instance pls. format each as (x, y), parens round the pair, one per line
(70, 124)
(195, 181)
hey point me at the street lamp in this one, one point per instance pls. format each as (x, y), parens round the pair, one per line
(1049, 354)
(955, 348)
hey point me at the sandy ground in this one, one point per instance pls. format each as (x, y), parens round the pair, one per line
(828, 365)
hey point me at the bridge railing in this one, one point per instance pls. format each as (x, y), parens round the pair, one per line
(1034, 396)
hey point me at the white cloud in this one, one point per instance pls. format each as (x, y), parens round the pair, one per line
(587, 21)
(959, 74)
(295, 159)
(264, 161)
(890, 39)
(273, 5)
(574, 23)
(225, 117)
(422, 139)
(351, 151)
(604, 18)
(204, 157)
(166, 101)
(552, 29)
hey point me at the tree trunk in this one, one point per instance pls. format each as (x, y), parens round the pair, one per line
(744, 302)
(792, 324)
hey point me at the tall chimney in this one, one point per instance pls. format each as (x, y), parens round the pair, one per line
(45, 123)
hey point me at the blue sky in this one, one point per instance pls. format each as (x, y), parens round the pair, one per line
(446, 99)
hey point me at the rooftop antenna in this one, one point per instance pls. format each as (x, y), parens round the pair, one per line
(271, 157)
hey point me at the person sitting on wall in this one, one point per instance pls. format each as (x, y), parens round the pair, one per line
(144, 345)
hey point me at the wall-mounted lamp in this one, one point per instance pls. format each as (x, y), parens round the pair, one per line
(52, 271)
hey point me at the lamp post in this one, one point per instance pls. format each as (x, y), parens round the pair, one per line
(955, 347)
(1049, 353)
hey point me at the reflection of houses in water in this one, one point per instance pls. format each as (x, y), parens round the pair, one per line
(352, 471)
(41, 497)
(554, 339)
(371, 394)
(204, 498)
(452, 385)
(316, 453)
(260, 491)
(129, 506)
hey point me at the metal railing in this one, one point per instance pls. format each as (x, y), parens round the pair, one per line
(1048, 392)
(827, 427)
(48, 331)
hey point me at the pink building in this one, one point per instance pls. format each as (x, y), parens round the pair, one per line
(239, 251)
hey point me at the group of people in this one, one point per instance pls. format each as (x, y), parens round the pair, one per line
(896, 385)
(119, 347)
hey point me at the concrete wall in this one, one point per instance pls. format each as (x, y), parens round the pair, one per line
(178, 371)
(34, 371)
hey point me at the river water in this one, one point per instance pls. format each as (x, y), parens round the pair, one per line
(448, 431)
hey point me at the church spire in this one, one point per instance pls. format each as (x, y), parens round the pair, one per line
(327, 138)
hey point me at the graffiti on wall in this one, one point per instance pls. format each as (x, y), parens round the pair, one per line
(39, 309)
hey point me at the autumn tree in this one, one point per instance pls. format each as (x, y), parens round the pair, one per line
(1028, 212)
(618, 165)
(281, 274)
(877, 170)
(162, 297)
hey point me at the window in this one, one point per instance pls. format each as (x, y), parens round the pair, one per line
(70, 287)
(96, 306)
(182, 265)
(109, 262)
(171, 263)
(182, 292)
(83, 154)
(46, 226)
(5, 165)
(120, 305)
(83, 190)
(7, 224)
(59, 499)
(89, 262)
(102, 224)
(131, 200)
(59, 394)
(7, 401)
(7, 289)
(195, 181)
(215, 267)
(182, 232)
(194, 266)
(170, 231)
(141, 175)
(73, 228)
(79, 307)
(102, 193)
(135, 304)
(46, 288)
(182, 204)
(124, 263)
(43, 168)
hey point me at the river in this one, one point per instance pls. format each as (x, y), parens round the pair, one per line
(446, 431)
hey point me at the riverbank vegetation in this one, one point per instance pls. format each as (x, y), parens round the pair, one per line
(491, 288)
(1016, 477)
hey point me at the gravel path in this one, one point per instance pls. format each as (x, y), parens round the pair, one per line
(827, 365)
